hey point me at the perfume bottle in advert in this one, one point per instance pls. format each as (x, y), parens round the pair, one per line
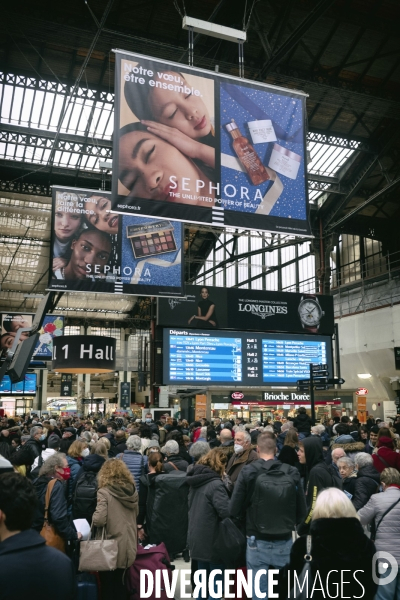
(262, 131)
(284, 161)
(247, 155)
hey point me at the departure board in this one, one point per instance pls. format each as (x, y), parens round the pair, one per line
(232, 357)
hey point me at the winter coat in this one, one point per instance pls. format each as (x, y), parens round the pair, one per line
(33, 570)
(348, 444)
(208, 505)
(238, 461)
(75, 465)
(349, 484)
(119, 448)
(391, 457)
(175, 463)
(58, 513)
(280, 440)
(30, 450)
(240, 505)
(83, 508)
(117, 509)
(288, 456)
(137, 465)
(302, 423)
(338, 544)
(184, 454)
(367, 483)
(319, 476)
(388, 533)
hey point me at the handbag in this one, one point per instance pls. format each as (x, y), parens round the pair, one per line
(52, 538)
(305, 576)
(99, 555)
(230, 544)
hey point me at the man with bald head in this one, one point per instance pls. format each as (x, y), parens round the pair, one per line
(227, 444)
(336, 454)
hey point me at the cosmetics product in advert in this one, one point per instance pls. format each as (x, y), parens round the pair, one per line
(247, 155)
(262, 131)
(284, 161)
(151, 239)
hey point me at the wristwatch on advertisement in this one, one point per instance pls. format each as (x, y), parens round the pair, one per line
(310, 312)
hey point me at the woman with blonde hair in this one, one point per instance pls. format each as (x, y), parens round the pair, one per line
(338, 544)
(116, 510)
(208, 505)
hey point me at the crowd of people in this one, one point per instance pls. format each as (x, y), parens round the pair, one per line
(279, 483)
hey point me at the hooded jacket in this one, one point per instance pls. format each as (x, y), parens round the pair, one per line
(367, 483)
(302, 423)
(58, 514)
(208, 505)
(386, 452)
(348, 444)
(34, 570)
(117, 509)
(45, 455)
(175, 462)
(319, 476)
(337, 545)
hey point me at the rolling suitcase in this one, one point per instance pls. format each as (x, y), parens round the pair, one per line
(87, 587)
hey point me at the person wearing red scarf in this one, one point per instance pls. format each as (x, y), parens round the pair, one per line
(385, 455)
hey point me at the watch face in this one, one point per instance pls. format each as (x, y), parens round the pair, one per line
(310, 313)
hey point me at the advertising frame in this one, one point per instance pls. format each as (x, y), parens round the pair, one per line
(123, 273)
(259, 212)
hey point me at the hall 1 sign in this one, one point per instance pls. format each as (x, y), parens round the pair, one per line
(125, 395)
(84, 354)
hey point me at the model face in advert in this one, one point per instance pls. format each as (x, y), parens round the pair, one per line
(152, 168)
(7, 339)
(99, 217)
(90, 254)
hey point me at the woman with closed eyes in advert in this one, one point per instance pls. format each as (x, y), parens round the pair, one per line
(176, 115)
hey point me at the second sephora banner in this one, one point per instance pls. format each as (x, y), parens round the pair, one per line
(93, 250)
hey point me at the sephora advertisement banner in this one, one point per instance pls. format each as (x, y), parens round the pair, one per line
(206, 148)
(254, 310)
(93, 250)
(53, 327)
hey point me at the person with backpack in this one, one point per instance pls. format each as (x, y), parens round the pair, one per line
(269, 496)
(319, 475)
(84, 492)
(134, 460)
(163, 506)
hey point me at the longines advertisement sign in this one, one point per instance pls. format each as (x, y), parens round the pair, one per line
(254, 310)
(202, 147)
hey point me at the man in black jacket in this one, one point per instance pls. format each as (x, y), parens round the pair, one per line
(319, 475)
(303, 422)
(33, 570)
(271, 509)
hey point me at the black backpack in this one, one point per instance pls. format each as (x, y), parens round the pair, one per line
(85, 496)
(274, 494)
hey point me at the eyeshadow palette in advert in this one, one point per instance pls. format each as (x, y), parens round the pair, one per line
(95, 250)
(201, 147)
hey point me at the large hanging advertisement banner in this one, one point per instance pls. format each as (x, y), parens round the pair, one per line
(52, 327)
(206, 307)
(93, 250)
(207, 148)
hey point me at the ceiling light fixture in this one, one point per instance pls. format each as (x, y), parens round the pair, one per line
(364, 375)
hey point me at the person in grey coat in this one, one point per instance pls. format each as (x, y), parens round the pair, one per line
(367, 481)
(208, 505)
(388, 529)
(134, 460)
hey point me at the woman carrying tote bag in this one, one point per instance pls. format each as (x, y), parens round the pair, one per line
(116, 511)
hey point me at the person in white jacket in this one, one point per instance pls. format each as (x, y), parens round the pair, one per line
(53, 445)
